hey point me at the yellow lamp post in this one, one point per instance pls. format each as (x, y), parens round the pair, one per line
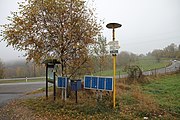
(114, 52)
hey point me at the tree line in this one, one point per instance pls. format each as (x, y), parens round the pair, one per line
(99, 61)
(171, 51)
(20, 69)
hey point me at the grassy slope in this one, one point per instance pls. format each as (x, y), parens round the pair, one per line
(148, 63)
(166, 92)
(145, 63)
(110, 72)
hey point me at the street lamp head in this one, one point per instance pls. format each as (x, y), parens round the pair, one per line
(113, 25)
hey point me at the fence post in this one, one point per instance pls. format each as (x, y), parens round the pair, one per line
(165, 69)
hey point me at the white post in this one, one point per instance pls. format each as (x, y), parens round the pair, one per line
(97, 94)
(65, 94)
(62, 94)
(100, 95)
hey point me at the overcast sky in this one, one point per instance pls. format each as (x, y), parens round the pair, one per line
(146, 24)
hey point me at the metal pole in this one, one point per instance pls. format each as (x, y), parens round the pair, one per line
(114, 83)
(100, 95)
(76, 91)
(54, 86)
(113, 35)
(165, 69)
(76, 95)
(114, 76)
(113, 26)
(46, 81)
(62, 94)
(65, 94)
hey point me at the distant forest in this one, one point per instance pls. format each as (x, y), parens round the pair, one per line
(18, 69)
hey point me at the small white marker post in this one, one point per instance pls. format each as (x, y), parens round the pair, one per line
(62, 93)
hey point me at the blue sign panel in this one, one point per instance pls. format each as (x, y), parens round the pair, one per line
(98, 83)
(109, 83)
(62, 82)
(78, 84)
(75, 85)
(87, 82)
(94, 82)
(101, 83)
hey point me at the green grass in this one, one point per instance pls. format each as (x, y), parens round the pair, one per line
(166, 92)
(149, 63)
(145, 63)
(110, 72)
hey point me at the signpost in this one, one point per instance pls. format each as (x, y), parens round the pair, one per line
(114, 51)
(50, 74)
(114, 46)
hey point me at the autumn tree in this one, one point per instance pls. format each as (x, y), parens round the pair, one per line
(53, 29)
(100, 52)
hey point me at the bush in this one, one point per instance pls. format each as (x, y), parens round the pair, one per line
(135, 75)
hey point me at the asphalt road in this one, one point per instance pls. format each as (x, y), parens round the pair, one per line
(175, 66)
(12, 91)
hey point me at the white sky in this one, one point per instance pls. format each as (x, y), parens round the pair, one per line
(146, 24)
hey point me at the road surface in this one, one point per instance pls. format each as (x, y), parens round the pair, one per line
(175, 66)
(12, 91)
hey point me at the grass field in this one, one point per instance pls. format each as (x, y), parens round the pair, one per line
(119, 71)
(166, 92)
(149, 63)
(145, 63)
(158, 99)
